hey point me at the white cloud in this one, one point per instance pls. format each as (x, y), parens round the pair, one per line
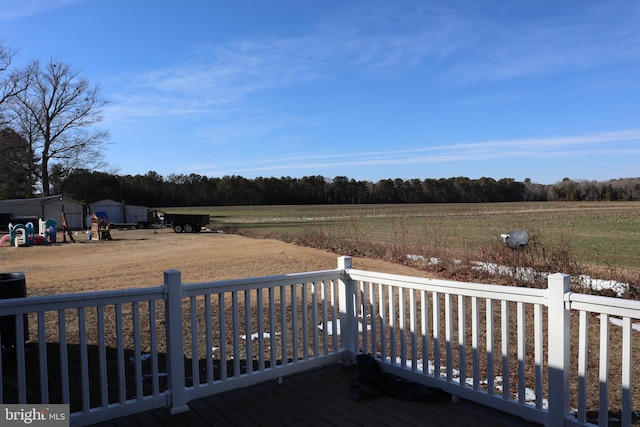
(600, 144)
(10, 10)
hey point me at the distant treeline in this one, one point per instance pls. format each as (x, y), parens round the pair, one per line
(151, 189)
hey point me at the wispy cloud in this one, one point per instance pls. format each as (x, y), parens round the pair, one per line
(455, 44)
(587, 37)
(622, 144)
(21, 9)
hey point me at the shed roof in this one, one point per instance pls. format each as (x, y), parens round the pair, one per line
(38, 200)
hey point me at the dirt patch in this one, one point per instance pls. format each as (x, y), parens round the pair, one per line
(138, 258)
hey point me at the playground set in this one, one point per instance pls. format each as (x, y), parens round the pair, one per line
(24, 235)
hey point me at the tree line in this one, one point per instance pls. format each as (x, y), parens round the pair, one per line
(153, 190)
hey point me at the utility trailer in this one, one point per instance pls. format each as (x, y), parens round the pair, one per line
(186, 223)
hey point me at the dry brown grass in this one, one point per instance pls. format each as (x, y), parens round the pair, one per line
(138, 258)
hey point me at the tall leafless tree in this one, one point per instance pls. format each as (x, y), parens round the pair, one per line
(11, 83)
(56, 114)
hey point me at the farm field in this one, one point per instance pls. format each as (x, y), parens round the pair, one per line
(601, 234)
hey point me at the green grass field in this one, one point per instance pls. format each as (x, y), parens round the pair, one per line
(602, 234)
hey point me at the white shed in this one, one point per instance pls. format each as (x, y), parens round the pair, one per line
(45, 208)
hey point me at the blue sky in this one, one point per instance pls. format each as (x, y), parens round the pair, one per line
(366, 89)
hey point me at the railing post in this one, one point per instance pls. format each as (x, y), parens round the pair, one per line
(175, 341)
(559, 342)
(347, 305)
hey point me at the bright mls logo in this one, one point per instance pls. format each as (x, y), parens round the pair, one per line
(37, 415)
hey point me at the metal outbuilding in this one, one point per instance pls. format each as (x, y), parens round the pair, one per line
(45, 208)
(119, 212)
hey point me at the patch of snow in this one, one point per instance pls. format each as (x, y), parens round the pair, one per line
(256, 335)
(599, 284)
(528, 274)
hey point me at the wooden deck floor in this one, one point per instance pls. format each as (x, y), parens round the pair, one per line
(318, 398)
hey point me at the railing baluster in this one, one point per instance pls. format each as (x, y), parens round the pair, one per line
(522, 380)
(334, 317)
(249, 328)
(153, 342)
(603, 412)
(583, 360)
(294, 323)
(314, 317)
(260, 314)
(20, 355)
(402, 326)
(462, 345)
(504, 328)
(283, 326)
(383, 323)
(375, 345)
(102, 358)
(208, 328)
(626, 370)
(436, 334)
(448, 327)
(364, 315)
(392, 324)
(424, 330)
(305, 320)
(195, 368)
(42, 350)
(539, 355)
(272, 326)
(413, 319)
(491, 385)
(174, 293)
(137, 351)
(235, 334)
(84, 362)
(64, 358)
(223, 336)
(325, 324)
(122, 388)
(475, 341)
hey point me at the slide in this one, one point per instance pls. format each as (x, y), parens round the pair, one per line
(5, 238)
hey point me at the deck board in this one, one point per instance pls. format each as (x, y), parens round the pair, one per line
(318, 398)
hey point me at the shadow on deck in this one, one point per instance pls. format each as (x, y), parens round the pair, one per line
(319, 398)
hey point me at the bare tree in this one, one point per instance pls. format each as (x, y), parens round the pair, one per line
(56, 114)
(11, 83)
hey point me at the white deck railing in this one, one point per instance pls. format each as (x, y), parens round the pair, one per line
(524, 351)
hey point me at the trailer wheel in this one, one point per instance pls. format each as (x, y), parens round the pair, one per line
(197, 228)
(141, 225)
(188, 228)
(178, 228)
